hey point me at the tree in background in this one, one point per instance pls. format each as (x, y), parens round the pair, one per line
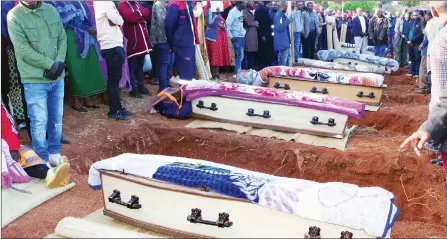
(409, 3)
(367, 6)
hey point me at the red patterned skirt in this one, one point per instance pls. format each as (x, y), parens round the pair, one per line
(218, 51)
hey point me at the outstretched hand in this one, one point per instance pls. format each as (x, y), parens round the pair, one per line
(417, 139)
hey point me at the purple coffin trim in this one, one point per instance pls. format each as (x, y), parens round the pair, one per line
(194, 94)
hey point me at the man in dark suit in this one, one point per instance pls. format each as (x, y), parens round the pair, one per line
(360, 31)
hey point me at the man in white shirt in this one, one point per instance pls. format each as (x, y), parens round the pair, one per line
(110, 38)
(360, 30)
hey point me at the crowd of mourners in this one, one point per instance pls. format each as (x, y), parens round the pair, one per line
(88, 48)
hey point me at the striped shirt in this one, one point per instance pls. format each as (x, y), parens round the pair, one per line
(438, 63)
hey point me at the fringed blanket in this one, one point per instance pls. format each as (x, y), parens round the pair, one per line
(349, 45)
(329, 55)
(200, 88)
(363, 208)
(365, 79)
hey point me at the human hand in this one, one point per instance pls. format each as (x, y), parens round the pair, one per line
(263, 39)
(256, 24)
(380, 38)
(409, 43)
(420, 47)
(417, 139)
(170, 50)
(93, 32)
(403, 36)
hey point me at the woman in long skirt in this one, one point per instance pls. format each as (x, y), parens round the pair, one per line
(216, 42)
(85, 76)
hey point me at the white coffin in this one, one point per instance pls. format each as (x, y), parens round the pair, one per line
(282, 117)
(345, 61)
(349, 92)
(165, 208)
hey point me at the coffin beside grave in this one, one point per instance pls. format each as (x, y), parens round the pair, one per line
(275, 109)
(190, 198)
(366, 94)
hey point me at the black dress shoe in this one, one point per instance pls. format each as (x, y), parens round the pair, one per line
(135, 94)
(125, 112)
(118, 116)
(144, 91)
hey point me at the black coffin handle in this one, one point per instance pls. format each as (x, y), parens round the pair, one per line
(346, 235)
(315, 90)
(134, 202)
(370, 95)
(278, 86)
(266, 114)
(201, 105)
(314, 233)
(222, 221)
(330, 122)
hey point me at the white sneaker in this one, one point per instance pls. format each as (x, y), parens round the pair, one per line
(54, 159)
(175, 79)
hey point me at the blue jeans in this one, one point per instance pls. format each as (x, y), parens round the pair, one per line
(297, 41)
(45, 104)
(380, 50)
(284, 57)
(165, 63)
(239, 46)
(185, 62)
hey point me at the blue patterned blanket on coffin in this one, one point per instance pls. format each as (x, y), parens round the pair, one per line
(364, 208)
(329, 55)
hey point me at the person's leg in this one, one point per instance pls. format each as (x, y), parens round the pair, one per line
(417, 59)
(55, 103)
(397, 55)
(313, 37)
(238, 44)
(115, 59)
(133, 69)
(163, 62)
(37, 102)
(364, 49)
(404, 52)
(423, 77)
(193, 66)
(305, 47)
(358, 44)
(139, 74)
(412, 60)
(37, 171)
(251, 60)
(155, 62)
(183, 62)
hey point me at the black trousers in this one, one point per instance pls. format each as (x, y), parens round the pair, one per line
(37, 171)
(415, 58)
(115, 58)
(309, 45)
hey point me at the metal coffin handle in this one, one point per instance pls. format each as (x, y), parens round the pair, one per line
(134, 202)
(222, 221)
(315, 90)
(201, 105)
(370, 95)
(266, 114)
(330, 122)
(278, 86)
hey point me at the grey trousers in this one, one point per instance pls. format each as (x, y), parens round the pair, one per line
(423, 74)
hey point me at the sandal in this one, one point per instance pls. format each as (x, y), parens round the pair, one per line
(80, 109)
(95, 107)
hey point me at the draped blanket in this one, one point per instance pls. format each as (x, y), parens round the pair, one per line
(350, 45)
(338, 66)
(329, 55)
(200, 88)
(365, 79)
(363, 208)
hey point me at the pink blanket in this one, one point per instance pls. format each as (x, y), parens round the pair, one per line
(200, 88)
(323, 75)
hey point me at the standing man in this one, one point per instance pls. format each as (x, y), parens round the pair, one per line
(415, 38)
(377, 31)
(40, 45)
(298, 28)
(360, 32)
(138, 45)
(424, 82)
(391, 26)
(236, 33)
(310, 38)
(164, 57)
(110, 37)
(401, 32)
(433, 132)
(182, 36)
(251, 36)
(281, 37)
(265, 37)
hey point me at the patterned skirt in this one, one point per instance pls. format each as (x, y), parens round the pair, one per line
(15, 93)
(219, 51)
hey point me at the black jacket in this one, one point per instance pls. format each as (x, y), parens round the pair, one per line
(418, 34)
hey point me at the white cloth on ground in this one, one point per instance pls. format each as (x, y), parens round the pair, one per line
(368, 208)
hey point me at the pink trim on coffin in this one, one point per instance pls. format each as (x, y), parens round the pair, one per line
(199, 88)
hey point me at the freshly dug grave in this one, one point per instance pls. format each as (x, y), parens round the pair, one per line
(371, 159)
